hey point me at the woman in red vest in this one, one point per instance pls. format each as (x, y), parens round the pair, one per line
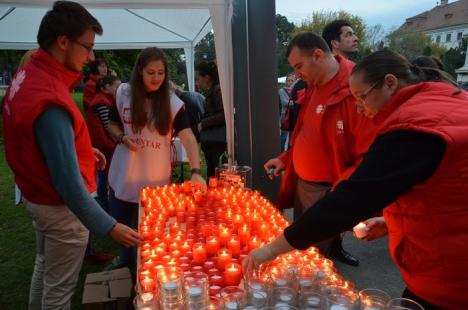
(97, 69)
(97, 117)
(417, 166)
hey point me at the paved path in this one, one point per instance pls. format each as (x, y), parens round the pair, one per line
(377, 269)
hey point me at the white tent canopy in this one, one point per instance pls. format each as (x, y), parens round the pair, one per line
(138, 24)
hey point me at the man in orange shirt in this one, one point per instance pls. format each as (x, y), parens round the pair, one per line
(330, 136)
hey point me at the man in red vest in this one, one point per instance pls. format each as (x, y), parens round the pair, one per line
(48, 148)
(329, 137)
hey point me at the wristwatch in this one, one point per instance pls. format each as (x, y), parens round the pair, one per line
(195, 170)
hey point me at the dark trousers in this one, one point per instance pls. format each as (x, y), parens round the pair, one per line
(126, 213)
(212, 151)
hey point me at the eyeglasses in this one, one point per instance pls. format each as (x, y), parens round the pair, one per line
(365, 94)
(88, 48)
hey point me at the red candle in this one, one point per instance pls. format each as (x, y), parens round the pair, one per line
(224, 235)
(144, 273)
(212, 245)
(180, 216)
(238, 221)
(213, 182)
(186, 246)
(244, 234)
(184, 260)
(224, 258)
(216, 280)
(185, 266)
(145, 254)
(149, 264)
(208, 265)
(213, 271)
(234, 246)
(147, 285)
(199, 253)
(254, 243)
(233, 274)
(262, 230)
(197, 268)
(214, 290)
(198, 196)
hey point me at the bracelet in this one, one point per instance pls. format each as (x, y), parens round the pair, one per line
(195, 171)
(120, 138)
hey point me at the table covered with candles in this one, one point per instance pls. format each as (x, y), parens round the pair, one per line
(194, 244)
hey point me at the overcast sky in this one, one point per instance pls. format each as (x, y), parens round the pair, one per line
(386, 12)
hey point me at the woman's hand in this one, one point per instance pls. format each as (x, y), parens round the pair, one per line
(376, 228)
(256, 258)
(125, 235)
(198, 182)
(100, 159)
(274, 163)
(130, 144)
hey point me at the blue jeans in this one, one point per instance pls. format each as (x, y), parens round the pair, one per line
(126, 213)
(284, 139)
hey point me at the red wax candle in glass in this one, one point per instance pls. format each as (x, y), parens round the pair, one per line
(212, 245)
(185, 266)
(233, 274)
(224, 235)
(215, 289)
(180, 216)
(198, 196)
(254, 243)
(213, 271)
(216, 280)
(262, 230)
(208, 265)
(147, 285)
(244, 234)
(213, 182)
(234, 246)
(199, 253)
(149, 264)
(224, 258)
(238, 220)
(144, 273)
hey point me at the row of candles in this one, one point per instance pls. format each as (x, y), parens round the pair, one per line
(212, 233)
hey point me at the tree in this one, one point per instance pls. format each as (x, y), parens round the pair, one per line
(318, 20)
(409, 43)
(455, 57)
(374, 37)
(284, 29)
(205, 49)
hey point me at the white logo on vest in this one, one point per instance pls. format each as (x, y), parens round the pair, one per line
(16, 83)
(320, 108)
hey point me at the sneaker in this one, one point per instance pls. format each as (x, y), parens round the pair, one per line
(98, 258)
(115, 264)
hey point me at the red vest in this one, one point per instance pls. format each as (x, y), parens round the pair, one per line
(330, 136)
(42, 84)
(428, 225)
(98, 133)
(89, 91)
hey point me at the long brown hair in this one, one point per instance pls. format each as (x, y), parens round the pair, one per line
(160, 116)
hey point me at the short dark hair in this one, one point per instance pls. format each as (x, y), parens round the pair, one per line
(377, 65)
(209, 68)
(307, 41)
(332, 31)
(65, 18)
(93, 65)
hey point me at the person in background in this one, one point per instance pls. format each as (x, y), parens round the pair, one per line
(286, 107)
(194, 104)
(329, 138)
(98, 123)
(212, 127)
(48, 148)
(419, 160)
(143, 121)
(97, 70)
(341, 40)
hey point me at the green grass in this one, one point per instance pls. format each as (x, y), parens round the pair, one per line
(17, 241)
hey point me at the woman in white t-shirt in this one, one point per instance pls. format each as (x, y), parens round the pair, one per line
(144, 119)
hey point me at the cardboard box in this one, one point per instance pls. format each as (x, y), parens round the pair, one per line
(109, 290)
